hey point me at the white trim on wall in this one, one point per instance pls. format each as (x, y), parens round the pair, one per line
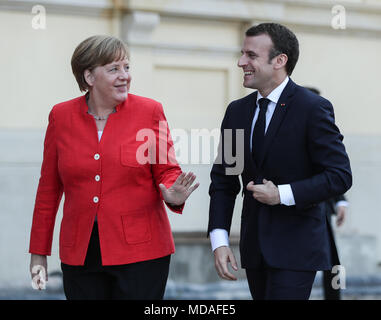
(362, 15)
(67, 7)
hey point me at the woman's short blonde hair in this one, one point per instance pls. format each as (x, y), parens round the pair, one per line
(96, 51)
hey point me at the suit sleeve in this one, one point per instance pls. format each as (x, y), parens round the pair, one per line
(224, 187)
(329, 159)
(340, 197)
(48, 197)
(166, 169)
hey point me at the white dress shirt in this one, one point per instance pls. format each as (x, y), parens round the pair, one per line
(219, 237)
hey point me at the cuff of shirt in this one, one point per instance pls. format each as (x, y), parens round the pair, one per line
(219, 238)
(286, 195)
(342, 203)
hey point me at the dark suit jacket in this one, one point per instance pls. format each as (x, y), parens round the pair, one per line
(303, 148)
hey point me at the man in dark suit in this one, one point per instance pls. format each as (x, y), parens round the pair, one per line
(293, 160)
(334, 206)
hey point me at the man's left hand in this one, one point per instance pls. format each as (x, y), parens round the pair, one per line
(266, 193)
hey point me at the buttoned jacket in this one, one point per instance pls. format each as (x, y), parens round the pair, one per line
(303, 148)
(114, 180)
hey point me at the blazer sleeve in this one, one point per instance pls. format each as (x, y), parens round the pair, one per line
(340, 198)
(165, 170)
(48, 197)
(329, 160)
(224, 187)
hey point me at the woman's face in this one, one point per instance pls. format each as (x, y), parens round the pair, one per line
(110, 82)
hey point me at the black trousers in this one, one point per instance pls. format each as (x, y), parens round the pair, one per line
(330, 293)
(144, 280)
(267, 283)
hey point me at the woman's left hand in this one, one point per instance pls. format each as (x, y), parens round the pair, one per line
(180, 190)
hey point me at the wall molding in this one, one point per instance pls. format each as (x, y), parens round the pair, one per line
(363, 16)
(91, 8)
(169, 48)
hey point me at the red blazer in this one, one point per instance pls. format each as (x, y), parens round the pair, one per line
(104, 179)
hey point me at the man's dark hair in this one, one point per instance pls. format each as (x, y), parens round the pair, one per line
(284, 41)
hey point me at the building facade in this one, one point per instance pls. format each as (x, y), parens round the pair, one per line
(184, 54)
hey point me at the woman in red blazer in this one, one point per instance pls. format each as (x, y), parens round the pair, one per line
(111, 154)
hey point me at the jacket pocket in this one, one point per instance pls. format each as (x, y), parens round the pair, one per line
(315, 211)
(137, 226)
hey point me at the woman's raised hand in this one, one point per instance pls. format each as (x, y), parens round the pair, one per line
(180, 190)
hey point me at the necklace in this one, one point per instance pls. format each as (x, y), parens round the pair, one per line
(100, 118)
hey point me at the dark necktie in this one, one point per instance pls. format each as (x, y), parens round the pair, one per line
(259, 130)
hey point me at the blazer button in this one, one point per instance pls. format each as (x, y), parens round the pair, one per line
(96, 156)
(97, 177)
(96, 199)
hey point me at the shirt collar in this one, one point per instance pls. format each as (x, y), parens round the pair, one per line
(275, 94)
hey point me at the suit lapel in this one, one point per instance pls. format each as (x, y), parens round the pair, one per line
(279, 114)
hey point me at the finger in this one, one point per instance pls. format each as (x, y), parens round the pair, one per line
(221, 267)
(35, 282)
(188, 176)
(257, 196)
(191, 189)
(180, 178)
(250, 186)
(233, 262)
(223, 263)
(217, 264)
(219, 270)
(38, 270)
(227, 274)
(163, 190)
(189, 181)
(42, 283)
(258, 189)
(39, 281)
(264, 181)
(220, 260)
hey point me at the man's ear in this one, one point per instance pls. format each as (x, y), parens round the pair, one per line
(89, 77)
(280, 61)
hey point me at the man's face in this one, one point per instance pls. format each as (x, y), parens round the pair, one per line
(254, 61)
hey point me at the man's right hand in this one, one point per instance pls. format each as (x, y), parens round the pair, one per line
(222, 256)
(340, 216)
